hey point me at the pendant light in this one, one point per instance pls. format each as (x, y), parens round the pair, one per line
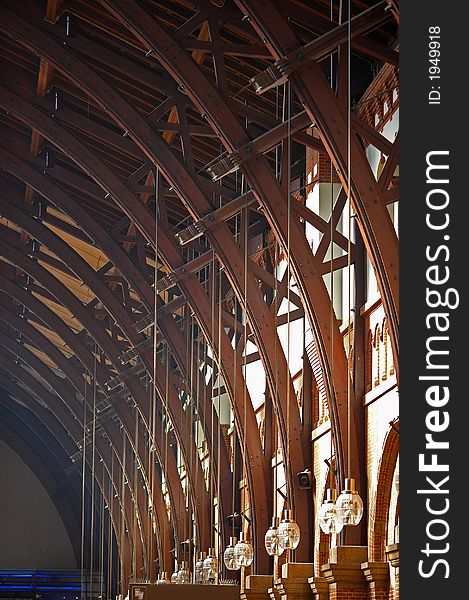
(272, 540)
(163, 580)
(288, 532)
(183, 573)
(349, 505)
(244, 552)
(174, 576)
(229, 557)
(210, 568)
(199, 568)
(327, 514)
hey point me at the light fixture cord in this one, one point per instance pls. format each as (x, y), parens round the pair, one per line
(332, 276)
(219, 527)
(198, 426)
(288, 380)
(166, 442)
(189, 431)
(110, 529)
(349, 263)
(122, 505)
(101, 536)
(204, 373)
(245, 461)
(276, 307)
(153, 394)
(83, 480)
(134, 546)
(182, 419)
(212, 407)
(162, 566)
(235, 367)
(93, 475)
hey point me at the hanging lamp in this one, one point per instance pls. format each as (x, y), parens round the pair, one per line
(327, 514)
(199, 568)
(210, 568)
(174, 576)
(163, 579)
(271, 539)
(183, 573)
(229, 556)
(349, 505)
(243, 551)
(288, 532)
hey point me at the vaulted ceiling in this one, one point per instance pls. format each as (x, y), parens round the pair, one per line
(155, 145)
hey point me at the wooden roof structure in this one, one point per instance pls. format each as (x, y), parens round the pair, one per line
(143, 145)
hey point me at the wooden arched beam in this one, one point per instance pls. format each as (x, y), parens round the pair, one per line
(14, 435)
(35, 229)
(306, 268)
(31, 176)
(72, 422)
(68, 299)
(187, 186)
(55, 323)
(40, 341)
(257, 474)
(7, 364)
(38, 451)
(322, 105)
(41, 419)
(63, 416)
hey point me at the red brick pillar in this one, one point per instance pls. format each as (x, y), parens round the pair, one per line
(256, 587)
(274, 594)
(319, 587)
(392, 554)
(293, 584)
(377, 577)
(344, 573)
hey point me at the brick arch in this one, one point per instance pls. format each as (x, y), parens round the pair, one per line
(381, 497)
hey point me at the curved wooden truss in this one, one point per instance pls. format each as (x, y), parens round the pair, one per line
(149, 153)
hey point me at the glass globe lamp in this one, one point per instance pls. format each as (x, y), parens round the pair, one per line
(271, 539)
(199, 568)
(229, 558)
(163, 579)
(327, 516)
(244, 552)
(349, 505)
(174, 576)
(183, 573)
(210, 568)
(288, 532)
